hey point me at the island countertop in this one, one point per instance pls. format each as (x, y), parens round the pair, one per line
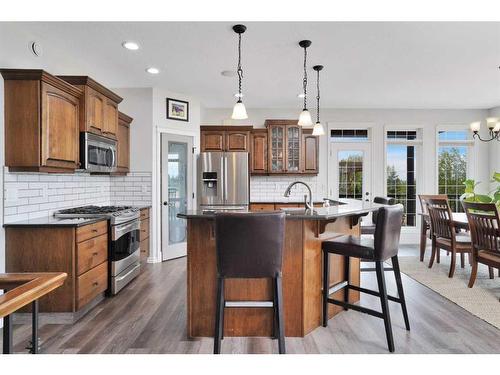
(343, 208)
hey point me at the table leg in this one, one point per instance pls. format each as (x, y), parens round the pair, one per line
(34, 327)
(7, 334)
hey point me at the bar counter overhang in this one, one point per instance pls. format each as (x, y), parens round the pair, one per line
(302, 273)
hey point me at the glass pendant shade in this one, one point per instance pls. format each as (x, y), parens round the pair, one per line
(497, 127)
(318, 129)
(239, 111)
(475, 126)
(305, 118)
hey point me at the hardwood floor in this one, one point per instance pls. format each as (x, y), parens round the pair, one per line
(149, 316)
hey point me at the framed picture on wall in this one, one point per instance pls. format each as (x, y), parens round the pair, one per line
(177, 110)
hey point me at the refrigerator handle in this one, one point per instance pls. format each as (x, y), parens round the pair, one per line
(224, 163)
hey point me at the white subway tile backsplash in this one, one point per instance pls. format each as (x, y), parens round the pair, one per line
(32, 195)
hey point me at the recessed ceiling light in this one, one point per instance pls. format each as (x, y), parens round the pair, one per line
(301, 96)
(152, 70)
(228, 73)
(130, 45)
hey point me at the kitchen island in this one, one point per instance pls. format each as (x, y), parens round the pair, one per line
(302, 273)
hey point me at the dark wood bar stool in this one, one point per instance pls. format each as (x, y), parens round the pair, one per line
(370, 228)
(384, 246)
(248, 246)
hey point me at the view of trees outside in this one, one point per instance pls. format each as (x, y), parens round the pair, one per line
(350, 174)
(452, 172)
(401, 180)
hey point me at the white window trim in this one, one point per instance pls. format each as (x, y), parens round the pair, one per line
(419, 144)
(471, 151)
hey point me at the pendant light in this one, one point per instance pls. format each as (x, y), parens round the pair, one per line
(318, 128)
(305, 116)
(239, 110)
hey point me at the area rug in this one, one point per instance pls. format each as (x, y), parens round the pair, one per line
(482, 300)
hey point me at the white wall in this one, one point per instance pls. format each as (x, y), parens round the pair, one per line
(2, 162)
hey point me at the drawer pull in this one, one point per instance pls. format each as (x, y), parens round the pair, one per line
(95, 254)
(95, 283)
(94, 230)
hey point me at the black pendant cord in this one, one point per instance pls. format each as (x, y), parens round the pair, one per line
(240, 70)
(317, 98)
(304, 81)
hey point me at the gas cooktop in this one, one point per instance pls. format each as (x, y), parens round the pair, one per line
(116, 214)
(94, 209)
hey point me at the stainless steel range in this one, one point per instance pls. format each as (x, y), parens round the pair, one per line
(124, 239)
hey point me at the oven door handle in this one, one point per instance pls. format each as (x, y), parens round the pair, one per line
(120, 230)
(128, 273)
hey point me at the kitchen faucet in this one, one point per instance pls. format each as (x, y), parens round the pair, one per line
(307, 203)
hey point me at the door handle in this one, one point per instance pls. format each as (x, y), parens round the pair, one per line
(367, 195)
(165, 203)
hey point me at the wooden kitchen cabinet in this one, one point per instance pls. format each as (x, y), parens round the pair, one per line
(237, 140)
(291, 149)
(310, 152)
(98, 106)
(225, 138)
(123, 143)
(80, 251)
(212, 140)
(258, 151)
(41, 122)
(144, 245)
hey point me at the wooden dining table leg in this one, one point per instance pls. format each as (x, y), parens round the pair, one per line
(423, 239)
(462, 260)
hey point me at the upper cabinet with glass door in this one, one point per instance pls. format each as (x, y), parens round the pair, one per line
(292, 149)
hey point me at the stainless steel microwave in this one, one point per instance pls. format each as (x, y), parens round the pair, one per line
(97, 153)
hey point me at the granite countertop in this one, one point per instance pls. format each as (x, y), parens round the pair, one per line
(345, 207)
(53, 222)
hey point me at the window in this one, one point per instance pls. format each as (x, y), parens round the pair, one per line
(349, 135)
(453, 163)
(350, 174)
(401, 174)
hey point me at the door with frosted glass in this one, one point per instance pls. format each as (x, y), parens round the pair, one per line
(176, 181)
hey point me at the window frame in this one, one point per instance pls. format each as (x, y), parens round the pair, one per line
(418, 143)
(471, 150)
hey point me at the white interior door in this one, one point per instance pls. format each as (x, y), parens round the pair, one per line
(349, 170)
(176, 192)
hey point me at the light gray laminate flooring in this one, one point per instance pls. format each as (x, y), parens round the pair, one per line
(149, 316)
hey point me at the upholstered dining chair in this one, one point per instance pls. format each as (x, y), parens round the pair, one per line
(484, 223)
(425, 224)
(444, 235)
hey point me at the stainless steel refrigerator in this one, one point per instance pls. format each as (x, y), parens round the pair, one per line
(223, 180)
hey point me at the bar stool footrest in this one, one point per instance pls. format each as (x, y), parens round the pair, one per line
(356, 307)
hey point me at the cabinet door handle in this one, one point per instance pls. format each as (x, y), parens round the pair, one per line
(95, 254)
(95, 283)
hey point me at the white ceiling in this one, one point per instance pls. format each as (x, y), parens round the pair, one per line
(367, 65)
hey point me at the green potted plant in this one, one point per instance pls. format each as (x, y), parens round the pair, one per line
(493, 196)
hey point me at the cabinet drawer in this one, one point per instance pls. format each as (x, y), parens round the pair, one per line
(262, 207)
(91, 284)
(145, 246)
(144, 229)
(91, 230)
(91, 253)
(144, 213)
